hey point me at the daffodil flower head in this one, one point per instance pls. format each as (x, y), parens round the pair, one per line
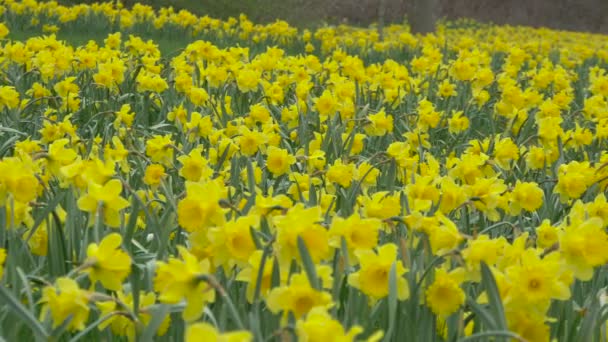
(106, 197)
(298, 297)
(63, 300)
(107, 263)
(444, 296)
(185, 279)
(199, 332)
(372, 278)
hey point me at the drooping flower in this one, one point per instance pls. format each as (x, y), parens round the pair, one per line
(358, 232)
(250, 274)
(120, 323)
(64, 300)
(233, 241)
(184, 279)
(106, 196)
(160, 149)
(201, 207)
(302, 223)
(299, 297)
(108, 264)
(583, 247)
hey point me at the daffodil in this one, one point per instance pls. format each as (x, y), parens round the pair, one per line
(107, 263)
(233, 240)
(320, 326)
(300, 222)
(535, 282)
(380, 124)
(185, 279)
(444, 296)
(326, 104)
(458, 123)
(201, 207)
(358, 232)
(199, 332)
(59, 155)
(341, 174)
(581, 246)
(573, 179)
(195, 167)
(107, 198)
(546, 234)
(121, 323)
(482, 249)
(298, 297)
(250, 275)
(9, 97)
(278, 161)
(154, 174)
(160, 149)
(372, 278)
(66, 300)
(527, 196)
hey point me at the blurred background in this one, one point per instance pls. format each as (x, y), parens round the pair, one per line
(576, 15)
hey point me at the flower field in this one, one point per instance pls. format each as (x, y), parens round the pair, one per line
(267, 183)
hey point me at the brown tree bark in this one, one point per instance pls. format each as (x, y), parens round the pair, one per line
(422, 15)
(603, 21)
(381, 13)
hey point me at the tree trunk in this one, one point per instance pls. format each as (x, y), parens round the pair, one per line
(421, 16)
(381, 13)
(603, 22)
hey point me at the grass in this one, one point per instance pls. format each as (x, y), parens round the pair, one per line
(168, 45)
(300, 13)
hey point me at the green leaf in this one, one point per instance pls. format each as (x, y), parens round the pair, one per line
(134, 279)
(45, 214)
(256, 327)
(483, 314)
(7, 145)
(23, 313)
(12, 130)
(63, 327)
(92, 326)
(494, 300)
(485, 336)
(158, 313)
(276, 275)
(251, 177)
(255, 238)
(392, 302)
(131, 225)
(260, 275)
(309, 266)
(591, 321)
(26, 287)
(221, 160)
(58, 255)
(312, 195)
